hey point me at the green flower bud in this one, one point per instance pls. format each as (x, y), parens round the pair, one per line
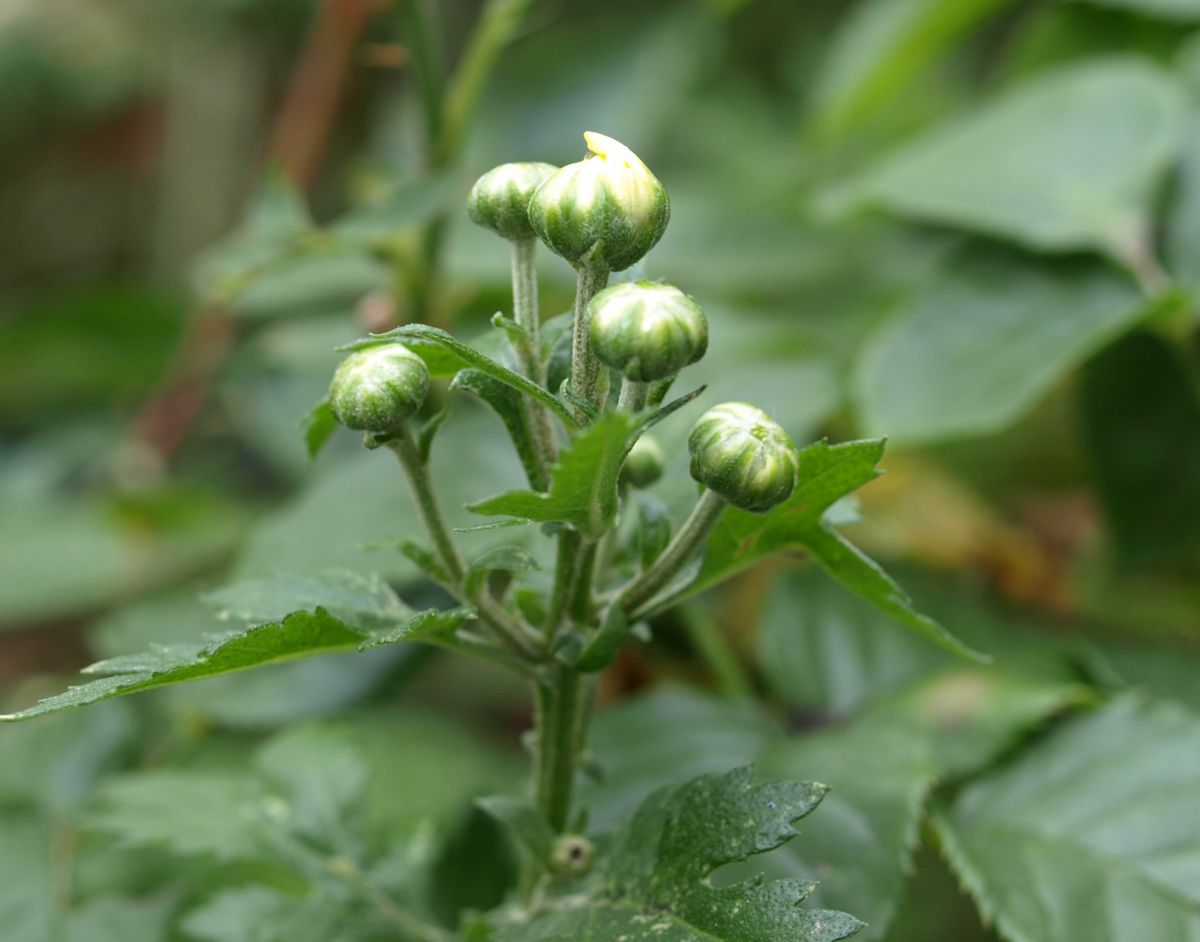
(646, 331)
(377, 389)
(644, 464)
(740, 454)
(606, 211)
(500, 198)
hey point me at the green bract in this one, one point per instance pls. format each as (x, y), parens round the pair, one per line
(377, 389)
(644, 464)
(646, 330)
(606, 211)
(740, 454)
(500, 198)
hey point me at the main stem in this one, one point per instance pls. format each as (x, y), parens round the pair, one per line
(562, 694)
(562, 708)
(683, 547)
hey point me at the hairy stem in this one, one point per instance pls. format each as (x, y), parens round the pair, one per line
(562, 710)
(528, 350)
(683, 547)
(633, 396)
(491, 613)
(585, 368)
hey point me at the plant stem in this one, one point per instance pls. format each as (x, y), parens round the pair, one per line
(585, 368)
(684, 545)
(562, 708)
(528, 350)
(633, 396)
(491, 613)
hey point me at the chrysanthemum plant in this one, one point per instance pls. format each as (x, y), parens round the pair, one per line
(618, 561)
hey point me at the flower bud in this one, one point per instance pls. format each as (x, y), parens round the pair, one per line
(606, 211)
(740, 454)
(646, 331)
(377, 389)
(644, 464)
(499, 200)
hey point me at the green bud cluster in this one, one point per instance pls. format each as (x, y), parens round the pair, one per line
(379, 388)
(499, 200)
(604, 212)
(646, 331)
(743, 456)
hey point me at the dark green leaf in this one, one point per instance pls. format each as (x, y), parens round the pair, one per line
(654, 885)
(1141, 419)
(1091, 834)
(505, 402)
(1184, 10)
(508, 557)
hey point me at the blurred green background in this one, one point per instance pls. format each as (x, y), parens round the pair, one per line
(972, 226)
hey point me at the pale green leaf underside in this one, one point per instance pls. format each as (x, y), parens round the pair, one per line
(1066, 161)
(655, 882)
(999, 331)
(827, 473)
(289, 618)
(1092, 834)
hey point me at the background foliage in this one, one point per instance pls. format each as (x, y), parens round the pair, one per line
(972, 226)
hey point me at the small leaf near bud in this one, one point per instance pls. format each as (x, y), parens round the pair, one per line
(499, 200)
(377, 389)
(644, 463)
(740, 454)
(646, 330)
(606, 211)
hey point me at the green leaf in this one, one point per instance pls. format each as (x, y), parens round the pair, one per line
(826, 651)
(827, 473)
(882, 46)
(583, 482)
(999, 331)
(1145, 448)
(505, 402)
(268, 915)
(192, 812)
(507, 557)
(1091, 834)
(451, 355)
(276, 223)
(654, 884)
(1183, 212)
(1069, 160)
(347, 612)
(27, 880)
(319, 426)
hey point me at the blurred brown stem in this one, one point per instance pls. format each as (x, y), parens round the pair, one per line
(298, 143)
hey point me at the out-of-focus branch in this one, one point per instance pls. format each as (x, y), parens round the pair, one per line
(298, 143)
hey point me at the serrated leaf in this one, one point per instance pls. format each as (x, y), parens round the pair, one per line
(1000, 331)
(453, 355)
(827, 473)
(655, 882)
(1091, 834)
(347, 612)
(583, 482)
(319, 426)
(1068, 160)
